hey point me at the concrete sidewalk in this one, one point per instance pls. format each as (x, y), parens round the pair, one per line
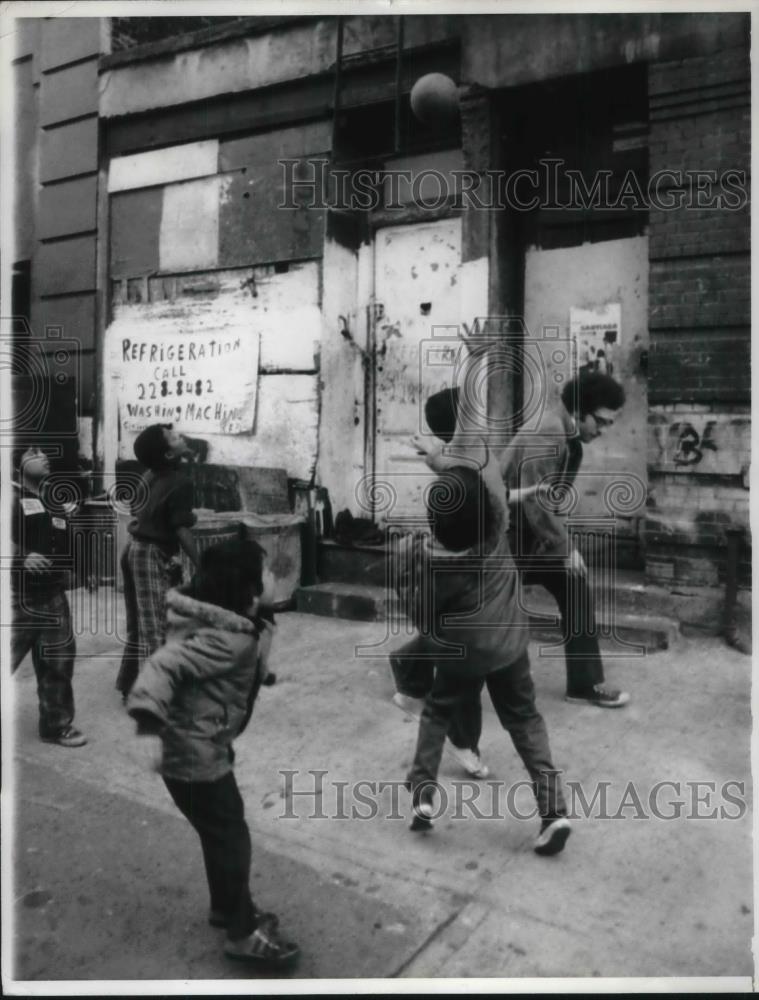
(109, 881)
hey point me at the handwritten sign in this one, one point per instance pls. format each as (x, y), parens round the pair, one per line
(202, 383)
(596, 332)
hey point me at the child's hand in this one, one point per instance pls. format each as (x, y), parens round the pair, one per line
(265, 640)
(420, 444)
(35, 562)
(576, 564)
(522, 493)
(432, 450)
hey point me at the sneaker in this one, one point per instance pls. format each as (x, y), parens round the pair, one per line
(423, 811)
(68, 737)
(263, 946)
(411, 706)
(470, 760)
(602, 696)
(553, 836)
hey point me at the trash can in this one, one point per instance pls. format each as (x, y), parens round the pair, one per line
(278, 534)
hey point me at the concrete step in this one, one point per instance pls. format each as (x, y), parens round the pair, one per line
(368, 602)
(351, 564)
(617, 628)
(355, 601)
(633, 593)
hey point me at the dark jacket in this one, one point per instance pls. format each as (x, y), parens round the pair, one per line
(165, 505)
(465, 604)
(199, 687)
(35, 528)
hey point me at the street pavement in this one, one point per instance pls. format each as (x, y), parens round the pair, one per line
(108, 881)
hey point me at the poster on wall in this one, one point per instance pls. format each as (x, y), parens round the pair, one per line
(202, 383)
(596, 332)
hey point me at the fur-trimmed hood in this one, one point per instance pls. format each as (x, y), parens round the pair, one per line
(199, 686)
(185, 613)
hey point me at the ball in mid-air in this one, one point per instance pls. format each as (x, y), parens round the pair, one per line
(435, 100)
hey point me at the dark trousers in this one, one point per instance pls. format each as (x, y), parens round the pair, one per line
(413, 676)
(43, 625)
(572, 594)
(215, 810)
(513, 695)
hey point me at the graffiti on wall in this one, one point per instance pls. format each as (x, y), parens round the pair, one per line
(711, 443)
(690, 444)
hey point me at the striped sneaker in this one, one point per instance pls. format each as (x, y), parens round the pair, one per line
(601, 696)
(264, 946)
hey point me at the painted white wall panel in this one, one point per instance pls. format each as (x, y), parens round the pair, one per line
(189, 238)
(163, 166)
(341, 441)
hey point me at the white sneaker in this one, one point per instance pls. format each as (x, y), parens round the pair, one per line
(421, 817)
(411, 706)
(469, 760)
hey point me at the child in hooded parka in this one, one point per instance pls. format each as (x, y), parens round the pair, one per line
(197, 692)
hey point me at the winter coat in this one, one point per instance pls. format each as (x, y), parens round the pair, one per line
(464, 604)
(199, 687)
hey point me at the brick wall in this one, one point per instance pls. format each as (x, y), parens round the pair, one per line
(699, 318)
(698, 462)
(699, 288)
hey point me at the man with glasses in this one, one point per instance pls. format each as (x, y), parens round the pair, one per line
(552, 454)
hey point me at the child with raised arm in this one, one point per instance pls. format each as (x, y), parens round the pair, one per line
(461, 589)
(413, 668)
(196, 693)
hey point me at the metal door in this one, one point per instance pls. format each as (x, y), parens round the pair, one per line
(608, 281)
(416, 315)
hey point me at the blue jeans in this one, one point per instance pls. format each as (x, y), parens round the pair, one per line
(43, 625)
(513, 695)
(413, 676)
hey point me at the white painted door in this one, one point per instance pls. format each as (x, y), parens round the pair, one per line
(417, 312)
(591, 277)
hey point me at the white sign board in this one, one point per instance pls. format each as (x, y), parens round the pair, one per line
(203, 383)
(596, 333)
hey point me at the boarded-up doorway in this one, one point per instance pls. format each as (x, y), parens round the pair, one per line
(416, 315)
(594, 278)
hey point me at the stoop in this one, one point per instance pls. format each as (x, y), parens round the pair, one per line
(353, 586)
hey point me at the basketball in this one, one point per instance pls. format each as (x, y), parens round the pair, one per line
(435, 100)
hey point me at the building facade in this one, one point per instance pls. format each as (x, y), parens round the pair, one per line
(262, 187)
